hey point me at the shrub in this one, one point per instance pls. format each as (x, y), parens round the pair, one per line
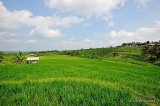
(115, 54)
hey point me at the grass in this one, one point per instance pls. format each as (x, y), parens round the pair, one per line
(61, 92)
(66, 80)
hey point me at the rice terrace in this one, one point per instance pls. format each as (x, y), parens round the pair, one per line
(59, 79)
(79, 53)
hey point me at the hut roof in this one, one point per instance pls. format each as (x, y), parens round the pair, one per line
(32, 58)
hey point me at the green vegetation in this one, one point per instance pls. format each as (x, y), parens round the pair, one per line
(61, 92)
(1, 57)
(152, 53)
(58, 79)
(18, 58)
(97, 53)
(115, 54)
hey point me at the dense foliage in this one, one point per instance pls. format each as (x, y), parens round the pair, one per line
(152, 53)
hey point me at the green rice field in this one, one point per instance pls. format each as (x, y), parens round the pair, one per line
(60, 80)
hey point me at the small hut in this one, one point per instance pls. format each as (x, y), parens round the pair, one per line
(32, 59)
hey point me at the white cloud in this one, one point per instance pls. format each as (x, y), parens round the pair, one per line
(14, 41)
(67, 21)
(141, 34)
(11, 20)
(142, 2)
(56, 21)
(7, 34)
(87, 24)
(45, 32)
(85, 43)
(85, 8)
(30, 41)
(17, 41)
(89, 8)
(109, 20)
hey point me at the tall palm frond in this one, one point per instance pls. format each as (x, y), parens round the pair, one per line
(18, 58)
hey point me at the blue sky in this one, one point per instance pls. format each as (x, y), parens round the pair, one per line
(73, 24)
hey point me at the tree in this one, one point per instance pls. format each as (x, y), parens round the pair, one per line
(152, 52)
(1, 57)
(148, 42)
(93, 55)
(145, 50)
(18, 58)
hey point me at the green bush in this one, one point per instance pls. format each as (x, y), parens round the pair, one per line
(115, 54)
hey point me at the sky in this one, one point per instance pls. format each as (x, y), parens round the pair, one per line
(35, 25)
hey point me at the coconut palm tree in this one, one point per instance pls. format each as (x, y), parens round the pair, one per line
(18, 58)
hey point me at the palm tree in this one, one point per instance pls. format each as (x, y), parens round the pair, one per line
(18, 58)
